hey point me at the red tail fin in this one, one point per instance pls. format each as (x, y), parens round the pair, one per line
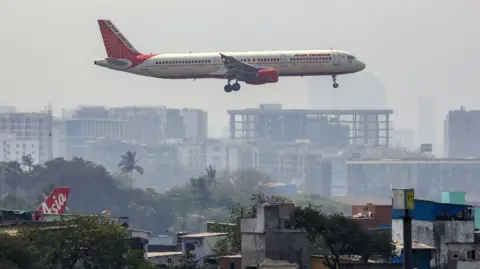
(116, 45)
(56, 202)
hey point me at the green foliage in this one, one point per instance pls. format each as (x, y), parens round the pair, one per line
(92, 242)
(210, 195)
(335, 235)
(17, 253)
(187, 261)
(92, 190)
(129, 164)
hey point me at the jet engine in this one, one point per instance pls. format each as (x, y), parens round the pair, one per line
(269, 75)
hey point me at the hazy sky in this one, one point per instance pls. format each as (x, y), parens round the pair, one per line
(423, 47)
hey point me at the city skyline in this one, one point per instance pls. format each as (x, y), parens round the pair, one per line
(64, 38)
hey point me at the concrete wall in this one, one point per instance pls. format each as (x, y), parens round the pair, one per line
(199, 249)
(230, 262)
(209, 244)
(265, 237)
(253, 249)
(436, 234)
(165, 260)
(422, 231)
(288, 246)
(457, 256)
(451, 231)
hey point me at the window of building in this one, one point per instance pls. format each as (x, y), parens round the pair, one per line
(169, 261)
(190, 246)
(471, 255)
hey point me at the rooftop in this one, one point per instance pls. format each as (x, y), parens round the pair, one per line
(362, 200)
(163, 254)
(200, 235)
(255, 111)
(415, 245)
(415, 161)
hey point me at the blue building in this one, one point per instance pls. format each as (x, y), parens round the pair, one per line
(435, 224)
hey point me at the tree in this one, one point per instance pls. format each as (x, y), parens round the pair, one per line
(129, 164)
(334, 235)
(92, 242)
(15, 253)
(187, 261)
(12, 174)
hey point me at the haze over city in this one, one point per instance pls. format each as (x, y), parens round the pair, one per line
(415, 48)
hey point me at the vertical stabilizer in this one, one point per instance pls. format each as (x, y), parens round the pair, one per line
(56, 202)
(116, 45)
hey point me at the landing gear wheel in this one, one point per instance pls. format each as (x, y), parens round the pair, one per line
(335, 84)
(228, 88)
(236, 86)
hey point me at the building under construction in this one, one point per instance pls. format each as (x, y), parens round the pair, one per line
(328, 128)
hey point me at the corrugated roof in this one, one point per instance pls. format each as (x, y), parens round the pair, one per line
(415, 245)
(232, 256)
(202, 235)
(163, 254)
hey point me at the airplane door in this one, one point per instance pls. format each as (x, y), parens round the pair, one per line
(336, 57)
(217, 61)
(283, 60)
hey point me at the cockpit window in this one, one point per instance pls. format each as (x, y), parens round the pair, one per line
(350, 57)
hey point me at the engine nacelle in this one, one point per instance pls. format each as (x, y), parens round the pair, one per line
(264, 76)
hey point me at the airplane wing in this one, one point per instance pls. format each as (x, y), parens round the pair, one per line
(237, 68)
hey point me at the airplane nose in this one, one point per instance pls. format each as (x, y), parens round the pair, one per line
(361, 65)
(95, 62)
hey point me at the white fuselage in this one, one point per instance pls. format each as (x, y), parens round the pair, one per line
(209, 65)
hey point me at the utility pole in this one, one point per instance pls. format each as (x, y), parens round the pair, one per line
(404, 199)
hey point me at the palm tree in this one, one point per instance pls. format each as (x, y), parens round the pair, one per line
(210, 175)
(27, 161)
(129, 164)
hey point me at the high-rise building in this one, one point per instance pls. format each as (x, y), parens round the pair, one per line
(36, 126)
(190, 124)
(426, 121)
(462, 133)
(146, 124)
(361, 90)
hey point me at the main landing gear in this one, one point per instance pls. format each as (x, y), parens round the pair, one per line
(232, 87)
(335, 84)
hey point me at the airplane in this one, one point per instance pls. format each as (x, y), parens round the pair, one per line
(55, 203)
(251, 67)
